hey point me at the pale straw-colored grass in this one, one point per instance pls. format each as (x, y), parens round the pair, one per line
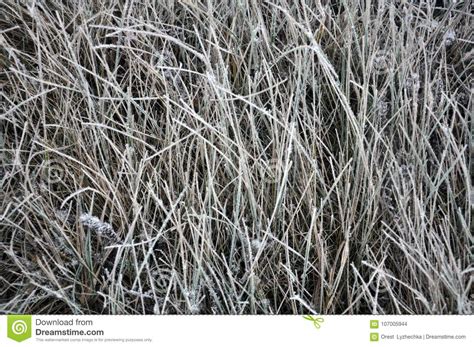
(235, 157)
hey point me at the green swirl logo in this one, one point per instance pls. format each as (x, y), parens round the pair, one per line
(19, 327)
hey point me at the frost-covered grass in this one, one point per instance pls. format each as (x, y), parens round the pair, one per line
(236, 156)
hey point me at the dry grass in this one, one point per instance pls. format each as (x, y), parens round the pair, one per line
(236, 157)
